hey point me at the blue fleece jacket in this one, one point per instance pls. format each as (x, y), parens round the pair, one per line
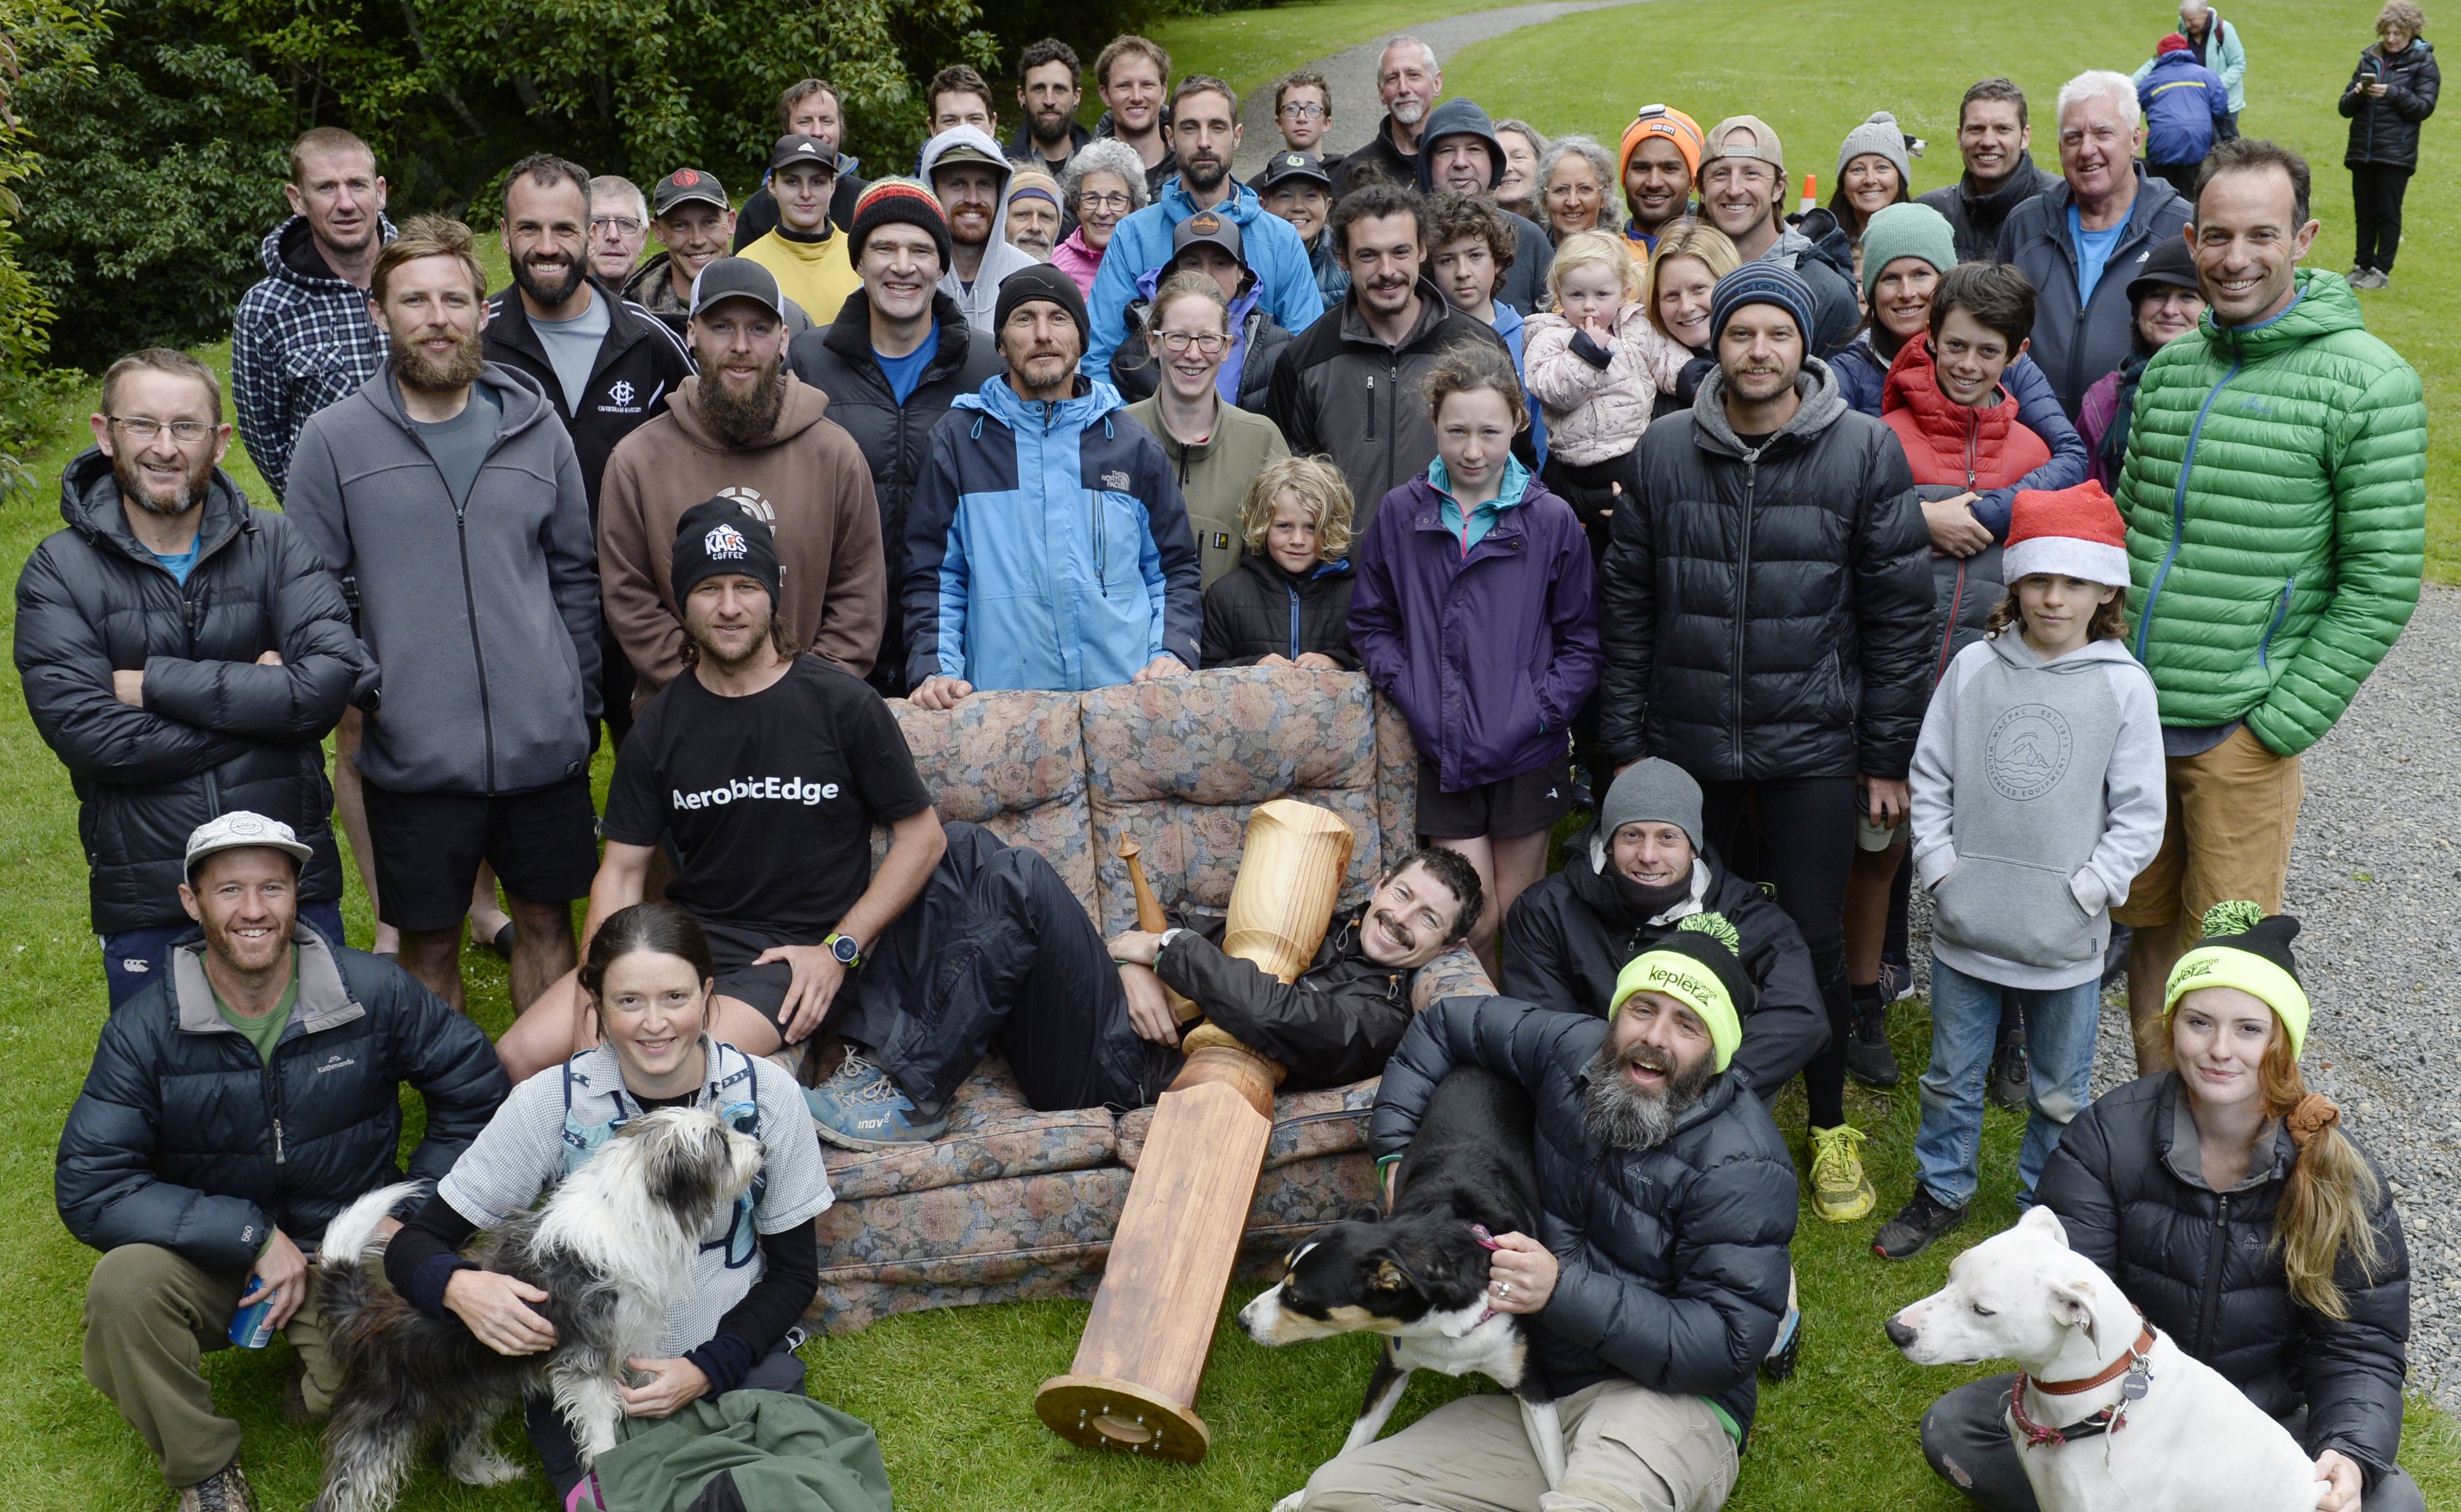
(1509, 324)
(1047, 546)
(1142, 242)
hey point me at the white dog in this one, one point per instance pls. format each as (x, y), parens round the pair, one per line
(2109, 1413)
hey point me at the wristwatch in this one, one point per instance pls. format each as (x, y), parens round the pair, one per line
(844, 948)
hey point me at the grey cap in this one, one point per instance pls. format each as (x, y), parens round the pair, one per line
(241, 830)
(737, 278)
(1656, 791)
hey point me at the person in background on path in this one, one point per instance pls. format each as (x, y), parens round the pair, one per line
(2023, 848)
(896, 357)
(1050, 86)
(619, 227)
(1752, 691)
(2226, 1198)
(1659, 157)
(1288, 602)
(302, 338)
(959, 97)
(1209, 246)
(1104, 186)
(1678, 289)
(1992, 136)
(1030, 212)
(448, 491)
(1572, 181)
(1022, 572)
(1470, 248)
(2105, 215)
(1459, 154)
(1409, 81)
(2275, 498)
(2390, 94)
(2185, 107)
(2168, 305)
(183, 654)
(1476, 593)
(1214, 447)
(1873, 172)
(1517, 191)
(964, 168)
(1132, 74)
(1302, 113)
(811, 108)
(2214, 44)
(176, 1165)
(1743, 187)
(806, 252)
(1299, 189)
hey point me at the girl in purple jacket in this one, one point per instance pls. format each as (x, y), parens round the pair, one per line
(1474, 613)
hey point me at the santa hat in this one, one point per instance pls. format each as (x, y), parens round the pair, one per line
(2073, 532)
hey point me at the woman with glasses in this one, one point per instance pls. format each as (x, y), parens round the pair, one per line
(1103, 184)
(1573, 177)
(1214, 447)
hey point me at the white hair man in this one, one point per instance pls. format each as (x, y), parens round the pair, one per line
(1409, 80)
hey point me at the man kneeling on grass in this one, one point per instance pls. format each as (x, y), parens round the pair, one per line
(768, 769)
(1658, 1273)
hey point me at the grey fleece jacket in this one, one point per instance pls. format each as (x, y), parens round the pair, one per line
(2060, 805)
(483, 619)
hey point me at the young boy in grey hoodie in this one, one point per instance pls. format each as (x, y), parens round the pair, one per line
(2037, 796)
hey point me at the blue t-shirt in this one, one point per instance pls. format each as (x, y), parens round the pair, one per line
(2093, 250)
(181, 565)
(906, 372)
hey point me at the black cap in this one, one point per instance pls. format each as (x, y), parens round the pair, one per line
(687, 185)
(2170, 265)
(718, 536)
(737, 278)
(1284, 166)
(795, 147)
(1213, 230)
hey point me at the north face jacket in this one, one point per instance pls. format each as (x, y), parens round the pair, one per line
(218, 732)
(2385, 131)
(1975, 219)
(1768, 613)
(2076, 341)
(638, 367)
(1673, 1259)
(1047, 546)
(301, 339)
(1142, 242)
(2276, 499)
(183, 1137)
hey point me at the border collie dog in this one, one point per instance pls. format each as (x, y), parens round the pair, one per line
(1419, 1278)
(612, 1247)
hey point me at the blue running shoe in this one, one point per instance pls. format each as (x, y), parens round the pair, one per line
(860, 1108)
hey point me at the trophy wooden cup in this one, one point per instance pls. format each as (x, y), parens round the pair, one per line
(1133, 1386)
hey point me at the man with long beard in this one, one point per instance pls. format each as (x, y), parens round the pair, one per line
(749, 430)
(448, 490)
(1657, 1275)
(183, 654)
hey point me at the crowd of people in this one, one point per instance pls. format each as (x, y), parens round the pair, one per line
(2010, 543)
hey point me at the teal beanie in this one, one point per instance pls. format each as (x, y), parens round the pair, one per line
(1905, 230)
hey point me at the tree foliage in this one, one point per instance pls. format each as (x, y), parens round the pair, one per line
(49, 35)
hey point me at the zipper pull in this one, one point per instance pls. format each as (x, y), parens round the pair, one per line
(278, 1156)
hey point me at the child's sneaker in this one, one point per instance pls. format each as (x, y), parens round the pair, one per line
(1840, 1192)
(860, 1108)
(1922, 1220)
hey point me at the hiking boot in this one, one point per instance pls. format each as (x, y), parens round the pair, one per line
(1922, 1220)
(860, 1108)
(1780, 1363)
(226, 1490)
(1896, 979)
(1840, 1192)
(1869, 1059)
(2012, 1073)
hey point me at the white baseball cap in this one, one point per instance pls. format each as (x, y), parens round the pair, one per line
(239, 830)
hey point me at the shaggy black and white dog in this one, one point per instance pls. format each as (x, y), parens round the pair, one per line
(612, 1247)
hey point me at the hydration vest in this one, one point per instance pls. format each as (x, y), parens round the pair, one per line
(730, 1091)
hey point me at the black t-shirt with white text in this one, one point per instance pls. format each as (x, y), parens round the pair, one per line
(771, 797)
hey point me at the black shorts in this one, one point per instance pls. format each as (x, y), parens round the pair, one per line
(732, 947)
(1504, 808)
(544, 844)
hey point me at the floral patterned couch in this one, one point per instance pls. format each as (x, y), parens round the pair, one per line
(1012, 1204)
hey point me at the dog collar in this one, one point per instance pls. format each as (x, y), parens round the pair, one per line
(2136, 1366)
(2136, 1356)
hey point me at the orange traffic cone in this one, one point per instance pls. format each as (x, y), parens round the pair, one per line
(1811, 192)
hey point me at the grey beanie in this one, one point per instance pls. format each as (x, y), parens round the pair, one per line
(1655, 790)
(1879, 134)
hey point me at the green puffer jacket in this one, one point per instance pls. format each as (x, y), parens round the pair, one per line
(2276, 499)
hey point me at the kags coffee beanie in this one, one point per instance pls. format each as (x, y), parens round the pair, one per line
(2070, 532)
(1906, 230)
(899, 202)
(1701, 966)
(2247, 948)
(716, 536)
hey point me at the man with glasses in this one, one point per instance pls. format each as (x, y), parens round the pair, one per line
(1302, 112)
(619, 227)
(184, 655)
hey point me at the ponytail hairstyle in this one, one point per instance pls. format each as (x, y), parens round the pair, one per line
(2329, 1200)
(659, 929)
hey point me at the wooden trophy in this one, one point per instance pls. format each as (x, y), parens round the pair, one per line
(1133, 1385)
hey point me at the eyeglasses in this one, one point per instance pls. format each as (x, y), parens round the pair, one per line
(620, 224)
(140, 428)
(1304, 110)
(1103, 201)
(1176, 342)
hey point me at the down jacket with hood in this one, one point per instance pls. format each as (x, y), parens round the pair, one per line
(1524, 285)
(217, 733)
(1767, 613)
(183, 1137)
(2127, 1183)
(1862, 377)
(1047, 546)
(1569, 936)
(1673, 1260)
(1142, 242)
(1598, 401)
(979, 300)
(2077, 340)
(2385, 131)
(301, 339)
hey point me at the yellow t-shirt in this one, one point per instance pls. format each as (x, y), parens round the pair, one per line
(816, 275)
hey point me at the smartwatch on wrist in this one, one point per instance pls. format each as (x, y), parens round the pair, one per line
(843, 946)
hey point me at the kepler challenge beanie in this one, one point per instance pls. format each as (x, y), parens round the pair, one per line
(1761, 284)
(716, 536)
(1909, 230)
(1701, 966)
(2249, 950)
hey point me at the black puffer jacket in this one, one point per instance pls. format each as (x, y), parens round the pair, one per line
(1257, 610)
(2201, 1264)
(183, 1137)
(1568, 938)
(1673, 1261)
(2385, 131)
(218, 732)
(1336, 1025)
(1767, 614)
(837, 359)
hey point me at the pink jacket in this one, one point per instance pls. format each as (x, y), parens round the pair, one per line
(1074, 258)
(1598, 403)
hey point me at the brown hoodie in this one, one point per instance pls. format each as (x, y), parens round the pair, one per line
(808, 480)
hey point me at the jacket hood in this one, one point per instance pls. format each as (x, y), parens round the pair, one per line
(523, 397)
(804, 408)
(980, 141)
(1088, 406)
(90, 503)
(1459, 118)
(1821, 405)
(1242, 204)
(291, 236)
(2320, 306)
(2010, 647)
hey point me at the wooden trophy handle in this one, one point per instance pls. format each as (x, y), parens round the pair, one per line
(1149, 916)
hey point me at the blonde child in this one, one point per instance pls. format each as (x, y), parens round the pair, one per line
(1287, 603)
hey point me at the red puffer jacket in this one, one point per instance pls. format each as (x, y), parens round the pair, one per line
(1951, 443)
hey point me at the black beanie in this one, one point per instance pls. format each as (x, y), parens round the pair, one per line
(1041, 281)
(899, 202)
(716, 536)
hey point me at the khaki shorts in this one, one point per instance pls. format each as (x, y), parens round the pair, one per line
(2234, 811)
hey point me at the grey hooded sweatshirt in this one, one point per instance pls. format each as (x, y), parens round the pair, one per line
(485, 618)
(2037, 796)
(999, 257)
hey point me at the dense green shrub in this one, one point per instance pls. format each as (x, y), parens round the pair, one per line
(43, 34)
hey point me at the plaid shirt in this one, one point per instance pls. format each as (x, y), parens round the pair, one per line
(298, 343)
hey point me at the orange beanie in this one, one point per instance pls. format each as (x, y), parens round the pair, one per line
(1662, 120)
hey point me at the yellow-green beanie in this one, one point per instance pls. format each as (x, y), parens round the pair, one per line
(1700, 967)
(2245, 948)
